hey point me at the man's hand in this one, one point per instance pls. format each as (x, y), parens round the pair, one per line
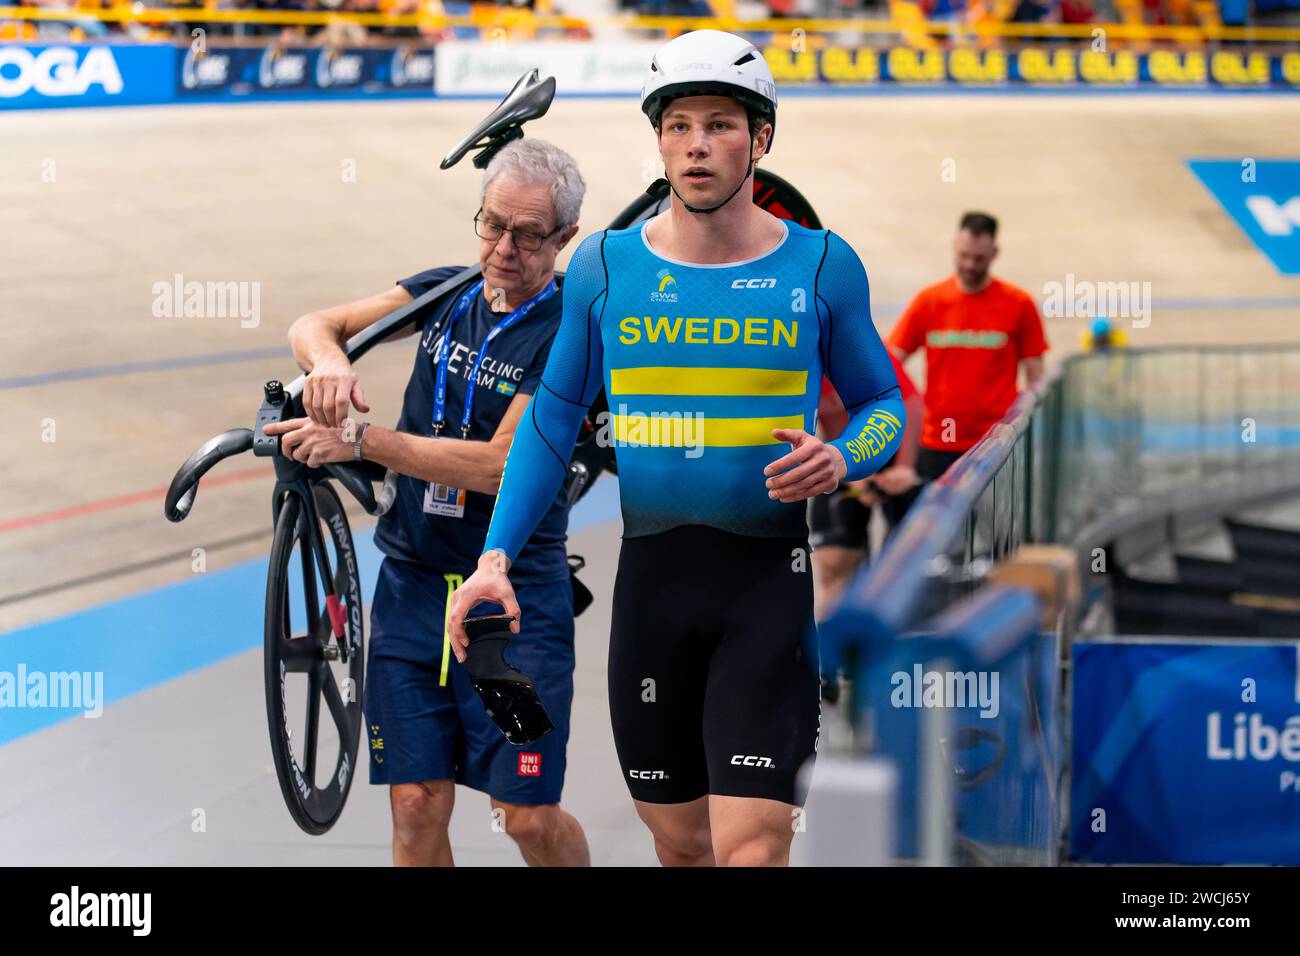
(487, 583)
(864, 493)
(896, 480)
(311, 443)
(331, 387)
(812, 467)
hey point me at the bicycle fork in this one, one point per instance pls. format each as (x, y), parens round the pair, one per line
(314, 555)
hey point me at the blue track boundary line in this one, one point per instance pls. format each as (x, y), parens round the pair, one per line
(142, 640)
(230, 358)
(149, 365)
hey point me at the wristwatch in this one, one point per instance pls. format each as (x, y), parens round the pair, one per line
(356, 445)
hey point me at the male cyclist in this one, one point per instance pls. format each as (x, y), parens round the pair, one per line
(710, 327)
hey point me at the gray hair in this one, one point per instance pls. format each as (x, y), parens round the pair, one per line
(537, 161)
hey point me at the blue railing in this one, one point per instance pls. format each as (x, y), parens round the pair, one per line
(1108, 442)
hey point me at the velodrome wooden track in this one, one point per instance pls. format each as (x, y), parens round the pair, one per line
(1096, 186)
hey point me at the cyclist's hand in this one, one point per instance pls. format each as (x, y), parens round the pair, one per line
(811, 468)
(864, 492)
(330, 388)
(310, 443)
(487, 583)
(896, 480)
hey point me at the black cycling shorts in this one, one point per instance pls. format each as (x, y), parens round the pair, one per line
(713, 676)
(838, 520)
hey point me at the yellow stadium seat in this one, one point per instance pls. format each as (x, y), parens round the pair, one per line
(910, 20)
(1207, 13)
(17, 30)
(1130, 11)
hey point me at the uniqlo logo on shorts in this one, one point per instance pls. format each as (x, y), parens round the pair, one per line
(530, 765)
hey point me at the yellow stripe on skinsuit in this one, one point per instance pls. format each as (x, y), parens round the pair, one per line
(453, 582)
(677, 380)
(693, 431)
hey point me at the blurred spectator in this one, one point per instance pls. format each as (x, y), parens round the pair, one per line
(1076, 11)
(942, 9)
(978, 333)
(1234, 13)
(1030, 11)
(674, 8)
(19, 29)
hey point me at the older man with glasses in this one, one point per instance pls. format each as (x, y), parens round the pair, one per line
(481, 355)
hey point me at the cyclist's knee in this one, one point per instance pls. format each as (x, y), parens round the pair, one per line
(832, 570)
(681, 839)
(421, 809)
(760, 849)
(684, 848)
(835, 565)
(533, 828)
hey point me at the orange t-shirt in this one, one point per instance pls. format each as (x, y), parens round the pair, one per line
(973, 348)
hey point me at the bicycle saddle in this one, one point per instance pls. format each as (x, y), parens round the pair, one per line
(527, 100)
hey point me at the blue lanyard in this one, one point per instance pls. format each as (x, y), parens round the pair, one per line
(444, 353)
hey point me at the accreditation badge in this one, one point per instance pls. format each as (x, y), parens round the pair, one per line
(445, 500)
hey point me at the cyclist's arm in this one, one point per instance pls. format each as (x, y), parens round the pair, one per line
(1034, 369)
(474, 465)
(906, 336)
(1031, 343)
(318, 336)
(831, 416)
(914, 407)
(539, 455)
(857, 363)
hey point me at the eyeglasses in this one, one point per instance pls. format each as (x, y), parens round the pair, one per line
(526, 239)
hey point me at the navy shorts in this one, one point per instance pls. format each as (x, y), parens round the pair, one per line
(423, 718)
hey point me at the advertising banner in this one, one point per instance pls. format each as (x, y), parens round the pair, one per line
(1185, 753)
(1034, 67)
(476, 69)
(127, 74)
(232, 73)
(1263, 197)
(84, 75)
(132, 74)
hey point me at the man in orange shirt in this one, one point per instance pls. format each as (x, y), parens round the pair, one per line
(977, 332)
(839, 523)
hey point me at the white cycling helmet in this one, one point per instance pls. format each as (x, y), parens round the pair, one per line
(710, 63)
